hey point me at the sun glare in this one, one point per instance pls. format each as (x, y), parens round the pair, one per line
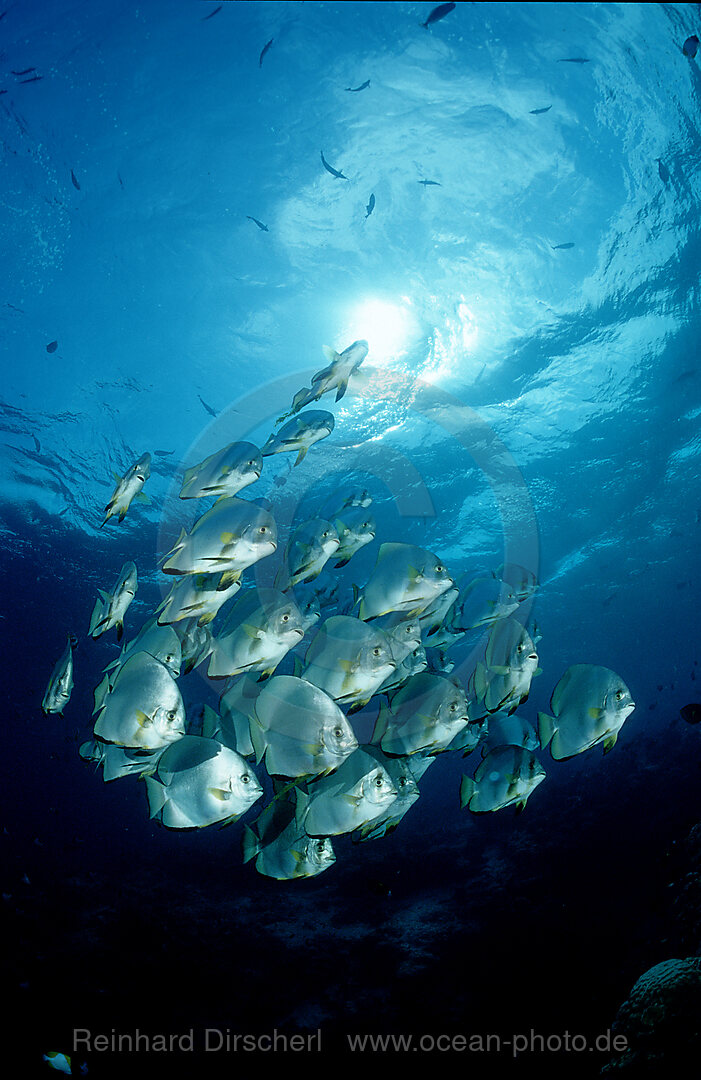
(386, 327)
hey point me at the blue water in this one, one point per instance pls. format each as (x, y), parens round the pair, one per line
(532, 395)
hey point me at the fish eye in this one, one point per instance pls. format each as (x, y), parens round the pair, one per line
(619, 695)
(379, 782)
(169, 658)
(338, 732)
(453, 707)
(263, 528)
(245, 778)
(376, 651)
(402, 781)
(171, 715)
(320, 845)
(285, 618)
(520, 648)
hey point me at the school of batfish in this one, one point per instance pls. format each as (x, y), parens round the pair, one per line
(390, 639)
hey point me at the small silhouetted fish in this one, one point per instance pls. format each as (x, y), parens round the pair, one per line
(62, 512)
(264, 51)
(52, 346)
(573, 60)
(539, 112)
(690, 46)
(429, 183)
(34, 78)
(258, 223)
(211, 14)
(691, 713)
(355, 89)
(329, 168)
(3, 91)
(37, 444)
(121, 182)
(279, 481)
(662, 170)
(76, 185)
(209, 408)
(370, 206)
(561, 247)
(438, 13)
(26, 71)
(163, 453)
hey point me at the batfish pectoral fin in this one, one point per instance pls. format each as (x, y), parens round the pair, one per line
(157, 795)
(219, 794)
(228, 578)
(467, 790)
(250, 844)
(610, 742)
(301, 455)
(546, 728)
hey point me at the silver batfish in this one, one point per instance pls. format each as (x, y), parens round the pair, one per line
(160, 642)
(281, 847)
(60, 686)
(503, 680)
(404, 780)
(298, 729)
(300, 433)
(358, 791)
(405, 578)
(309, 548)
(117, 761)
(232, 535)
(355, 528)
(504, 729)
(129, 487)
(340, 368)
(198, 596)
(236, 707)
(506, 776)
(198, 782)
(196, 642)
(423, 716)
(348, 659)
(144, 709)
(412, 664)
(261, 628)
(482, 602)
(224, 473)
(110, 608)
(590, 705)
